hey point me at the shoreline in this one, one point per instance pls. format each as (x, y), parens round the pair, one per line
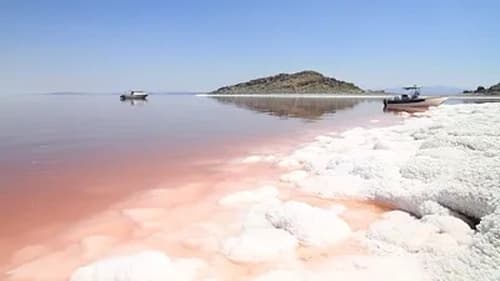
(346, 96)
(63, 190)
(298, 95)
(319, 211)
(133, 226)
(31, 258)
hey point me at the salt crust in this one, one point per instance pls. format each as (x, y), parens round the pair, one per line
(441, 167)
(310, 225)
(258, 158)
(357, 268)
(250, 196)
(147, 265)
(272, 230)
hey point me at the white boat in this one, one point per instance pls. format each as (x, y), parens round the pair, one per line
(134, 95)
(414, 101)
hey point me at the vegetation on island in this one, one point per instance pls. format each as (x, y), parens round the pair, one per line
(304, 82)
(481, 90)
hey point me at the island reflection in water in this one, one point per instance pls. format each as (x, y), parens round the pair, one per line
(309, 109)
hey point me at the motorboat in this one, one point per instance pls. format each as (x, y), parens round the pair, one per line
(134, 95)
(414, 100)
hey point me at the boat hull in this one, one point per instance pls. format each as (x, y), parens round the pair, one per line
(133, 97)
(421, 103)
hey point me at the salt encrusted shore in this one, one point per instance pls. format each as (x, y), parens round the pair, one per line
(439, 170)
(442, 167)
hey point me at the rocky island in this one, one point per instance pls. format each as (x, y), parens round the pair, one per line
(491, 91)
(304, 82)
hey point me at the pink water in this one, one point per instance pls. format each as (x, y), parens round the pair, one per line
(70, 165)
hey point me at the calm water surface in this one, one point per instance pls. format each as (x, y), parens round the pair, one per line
(65, 156)
(41, 132)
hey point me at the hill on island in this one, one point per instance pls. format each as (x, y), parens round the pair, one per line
(304, 82)
(493, 90)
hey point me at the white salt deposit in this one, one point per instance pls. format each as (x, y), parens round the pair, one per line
(146, 217)
(357, 268)
(294, 176)
(338, 209)
(443, 167)
(148, 265)
(264, 193)
(252, 159)
(256, 216)
(455, 227)
(273, 229)
(258, 158)
(278, 275)
(310, 225)
(288, 163)
(260, 245)
(432, 234)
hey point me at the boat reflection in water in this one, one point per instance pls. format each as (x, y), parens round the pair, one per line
(133, 102)
(405, 109)
(309, 109)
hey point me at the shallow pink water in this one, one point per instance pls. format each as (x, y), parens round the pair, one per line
(88, 202)
(179, 221)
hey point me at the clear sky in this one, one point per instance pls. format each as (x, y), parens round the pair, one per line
(106, 46)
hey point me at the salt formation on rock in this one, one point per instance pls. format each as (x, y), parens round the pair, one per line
(148, 265)
(442, 167)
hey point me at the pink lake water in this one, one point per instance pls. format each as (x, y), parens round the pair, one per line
(66, 157)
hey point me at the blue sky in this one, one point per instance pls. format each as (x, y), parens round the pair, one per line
(106, 46)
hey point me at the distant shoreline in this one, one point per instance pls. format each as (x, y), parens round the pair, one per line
(350, 96)
(298, 95)
(469, 97)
